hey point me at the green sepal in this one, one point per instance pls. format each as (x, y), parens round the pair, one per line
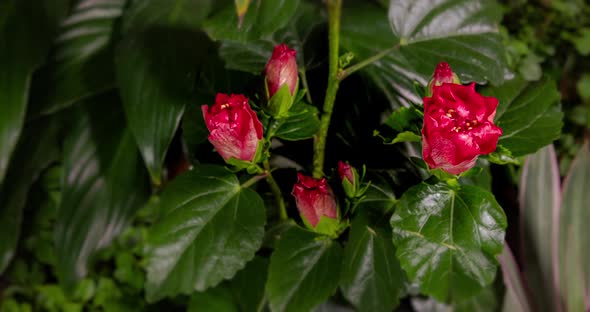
(502, 156)
(432, 83)
(330, 226)
(280, 103)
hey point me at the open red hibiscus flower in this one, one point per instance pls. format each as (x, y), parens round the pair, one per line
(458, 127)
(235, 130)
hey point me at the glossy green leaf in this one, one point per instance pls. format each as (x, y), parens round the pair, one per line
(253, 55)
(209, 229)
(103, 185)
(373, 279)
(82, 62)
(25, 37)
(379, 195)
(447, 239)
(37, 148)
(156, 73)
(143, 14)
(460, 32)
(262, 19)
(218, 299)
(248, 285)
(574, 254)
(515, 298)
(302, 123)
(539, 200)
(485, 301)
(304, 271)
(528, 113)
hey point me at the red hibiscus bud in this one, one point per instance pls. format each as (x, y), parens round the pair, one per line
(234, 128)
(442, 74)
(281, 69)
(281, 79)
(458, 127)
(349, 178)
(314, 199)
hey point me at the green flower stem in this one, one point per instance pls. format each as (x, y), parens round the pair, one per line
(334, 7)
(253, 180)
(276, 190)
(349, 70)
(305, 85)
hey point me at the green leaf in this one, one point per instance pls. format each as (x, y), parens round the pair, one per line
(302, 123)
(218, 299)
(248, 284)
(373, 280)
(144, 14)
(156, 73)
(528, 113)
(37, 148)
(574, 254)
(304, 270)
(379, 194)
(104, 183)
(515, 298)
(252, 56)
(405, 119)
(82, 62)
(539, 207)
(26, 32)
(447, 239)
(209, 229)
(502, 156)
(485, 301)
(406, 136)
(262, 19)
(460, 32)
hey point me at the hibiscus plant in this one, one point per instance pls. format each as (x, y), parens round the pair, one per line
(279, 155)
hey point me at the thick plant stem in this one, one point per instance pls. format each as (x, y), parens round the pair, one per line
(348, 71)
(319, 147)
(276, 190)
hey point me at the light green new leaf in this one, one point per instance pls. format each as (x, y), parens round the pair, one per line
(574, 254)
(304, 271)
(460, 32)
(447, 239)
(209, 229)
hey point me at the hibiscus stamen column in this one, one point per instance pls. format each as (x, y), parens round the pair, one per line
(333, 7)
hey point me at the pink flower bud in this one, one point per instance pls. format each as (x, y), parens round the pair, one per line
(234, 128)
(281, 69)
(314, 199)
(458, 127)
(442, 74)
(345, 172)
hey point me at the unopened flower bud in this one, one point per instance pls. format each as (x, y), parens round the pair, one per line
(442, 74)
(281, 79)
(314, 199)
(350, 179)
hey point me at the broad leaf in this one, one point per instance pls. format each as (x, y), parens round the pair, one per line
(104, 183)
(209, 229)
(156, 73)
(515, 299)
(460, 32)
(82, 62)
(485, 301)
(26, 32)
(302, 123)
(574, 254)
(144, 14)
(248, 285)
(218, 299)
(253, 55)
(304, 271)
(262, 19)
(539, 200)
(528, 113)
(373, 279)
(447, 239)
(379, 195)
(37, 148)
